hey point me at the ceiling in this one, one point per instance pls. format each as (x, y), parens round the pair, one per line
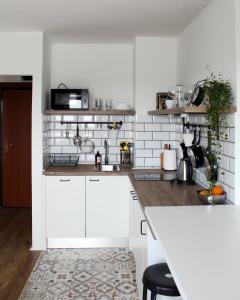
(99, 20)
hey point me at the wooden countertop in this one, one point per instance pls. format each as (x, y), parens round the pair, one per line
(150, 193)
(84, 170)
(164, 193)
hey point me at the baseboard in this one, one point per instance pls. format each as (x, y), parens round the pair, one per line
(87, 242)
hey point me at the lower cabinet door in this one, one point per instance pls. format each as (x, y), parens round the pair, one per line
(65, 206)
(107, 206)
(138, 240)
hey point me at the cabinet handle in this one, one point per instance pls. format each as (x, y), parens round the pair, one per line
(135, 198)
(141, 229)
(94, 180)
(65, 180)
(132, 192)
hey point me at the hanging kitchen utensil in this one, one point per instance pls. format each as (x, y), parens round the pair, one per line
(67, 132)
(198, 94)
(87, 146)
(77, 139)
(198, 153)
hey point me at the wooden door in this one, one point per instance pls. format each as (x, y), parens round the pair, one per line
(16, 147)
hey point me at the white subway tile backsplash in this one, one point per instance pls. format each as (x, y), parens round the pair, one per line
(139, 127)
(224, 162)
(160, 119)
(143, 136)
(56, 149)
(152, 162)
(139, 145)
(111, 142)
(129, 119)
(153, 127)
(90, 158)
(229, 179)
(230, 118)
(70, 118)
(100, 118)
(232, 165)
(59, 126)
(85, 118)
(232, 135)
(149, 134)
(153, 144)
(143, 153)
(161, 136)
(62, 142)
(157, 152)
(101, 134)
(168, 127)
(70, 149)
(116, 118)
(229, 149)
(139, 162)
(127, 126)
(129, 135)
(144, 119)
(114, 150)
(231, 195)
(57, 118)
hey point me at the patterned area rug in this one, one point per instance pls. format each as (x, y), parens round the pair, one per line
(83, 274)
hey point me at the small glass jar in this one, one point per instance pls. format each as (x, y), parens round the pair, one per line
(98, 104)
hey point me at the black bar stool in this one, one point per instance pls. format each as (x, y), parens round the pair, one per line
(158, 279)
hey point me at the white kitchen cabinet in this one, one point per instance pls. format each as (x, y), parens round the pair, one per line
(138, 238)
(65, 206)
(107, 207)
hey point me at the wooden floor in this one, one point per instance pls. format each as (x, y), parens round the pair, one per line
(16, 260)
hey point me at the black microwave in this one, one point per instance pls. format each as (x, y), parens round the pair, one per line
(70, 99)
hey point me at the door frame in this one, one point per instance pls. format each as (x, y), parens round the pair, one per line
(17, 86)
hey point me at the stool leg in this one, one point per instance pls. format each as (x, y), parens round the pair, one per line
(153, 296)
(144, 293)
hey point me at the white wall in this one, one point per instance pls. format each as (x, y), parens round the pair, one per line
(21, 53)
(46, 71)
(105, 69)
(237, 117)
(155, 70)
(209, 40)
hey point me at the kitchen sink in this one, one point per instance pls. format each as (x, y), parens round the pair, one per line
(110, 168)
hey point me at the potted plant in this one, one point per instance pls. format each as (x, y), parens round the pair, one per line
(218, 100)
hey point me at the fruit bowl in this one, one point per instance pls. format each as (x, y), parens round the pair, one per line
(207, 198)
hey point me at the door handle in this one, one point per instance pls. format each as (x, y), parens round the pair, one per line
(141, 229)
(64, 180)
(94, 180)
(5, 148)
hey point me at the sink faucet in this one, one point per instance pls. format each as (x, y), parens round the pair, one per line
(106, 147)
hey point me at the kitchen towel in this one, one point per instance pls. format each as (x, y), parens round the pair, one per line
(169, 160)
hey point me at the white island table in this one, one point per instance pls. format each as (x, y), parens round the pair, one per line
(202, 248)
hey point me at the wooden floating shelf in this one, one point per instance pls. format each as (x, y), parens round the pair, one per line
(186, 110)
(90, 112)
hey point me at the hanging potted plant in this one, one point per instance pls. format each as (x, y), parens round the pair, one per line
(218, 100)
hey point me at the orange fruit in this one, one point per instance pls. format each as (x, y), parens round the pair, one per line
(217, 190)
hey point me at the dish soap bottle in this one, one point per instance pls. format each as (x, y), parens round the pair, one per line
(98, 160)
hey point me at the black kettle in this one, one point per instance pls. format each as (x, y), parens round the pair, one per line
(185, 168)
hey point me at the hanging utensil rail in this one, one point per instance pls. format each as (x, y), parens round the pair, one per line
(90, 122)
